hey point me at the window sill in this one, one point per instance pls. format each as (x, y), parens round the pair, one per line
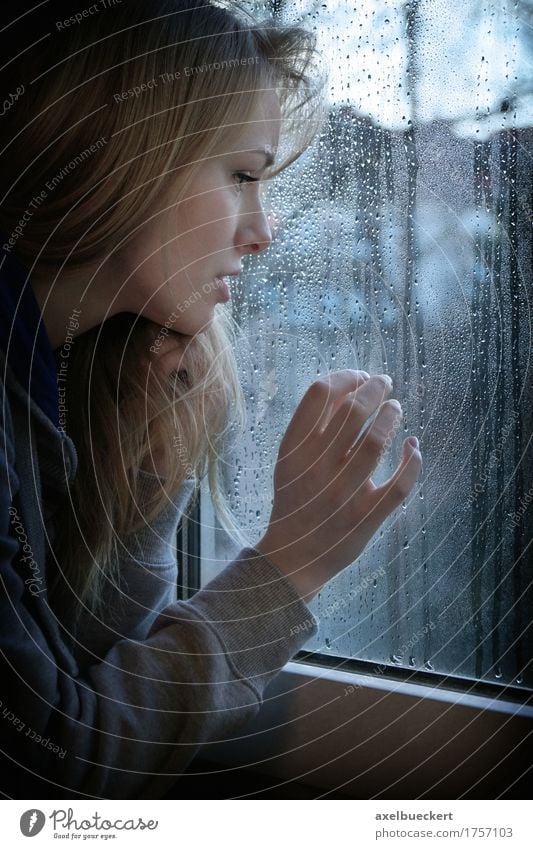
(371, 736)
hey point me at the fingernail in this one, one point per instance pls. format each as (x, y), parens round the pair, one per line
(413, 441)
(365, 375)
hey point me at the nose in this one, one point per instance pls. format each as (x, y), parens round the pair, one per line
(255, 233)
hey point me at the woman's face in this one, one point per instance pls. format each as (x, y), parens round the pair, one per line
(172, 272)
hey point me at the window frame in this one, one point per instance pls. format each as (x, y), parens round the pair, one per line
(459, 744)
(307, 702)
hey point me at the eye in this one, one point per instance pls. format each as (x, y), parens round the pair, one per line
(241, 177)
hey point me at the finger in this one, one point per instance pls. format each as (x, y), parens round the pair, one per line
(389, 495)
(168, 355)
(172, 360)
(321, 398)
(365, 456)
(345, 426)
(339, 401)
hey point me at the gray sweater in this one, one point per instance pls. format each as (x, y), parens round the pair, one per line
(123, 712)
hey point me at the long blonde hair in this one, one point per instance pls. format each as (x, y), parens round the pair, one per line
(110, 151)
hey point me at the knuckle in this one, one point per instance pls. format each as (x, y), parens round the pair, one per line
(350, 407)
(357, 407)
(386, 424)
(372, 439)
(392, 409)
(382, 383)
(351, 413)
(319, 389)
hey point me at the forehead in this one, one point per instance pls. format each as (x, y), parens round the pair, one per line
(261, 127)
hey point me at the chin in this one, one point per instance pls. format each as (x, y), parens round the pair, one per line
(190, 329)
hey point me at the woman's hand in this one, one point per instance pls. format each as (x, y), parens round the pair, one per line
(326, 506)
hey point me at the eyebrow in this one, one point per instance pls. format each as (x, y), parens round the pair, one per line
(266, 153)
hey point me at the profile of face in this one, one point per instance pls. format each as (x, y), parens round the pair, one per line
(173, 272)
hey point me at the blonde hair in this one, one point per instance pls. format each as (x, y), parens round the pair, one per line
(100, 195)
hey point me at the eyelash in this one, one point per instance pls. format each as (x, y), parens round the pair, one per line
(244, 178)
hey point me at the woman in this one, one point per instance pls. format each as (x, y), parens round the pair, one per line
(131, 183)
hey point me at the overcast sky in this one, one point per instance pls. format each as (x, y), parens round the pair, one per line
(470, 56)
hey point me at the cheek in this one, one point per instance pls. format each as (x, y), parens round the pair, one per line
(198, 228)
(212, 215)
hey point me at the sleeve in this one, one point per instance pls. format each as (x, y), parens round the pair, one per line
(130, 725)
(144, 577)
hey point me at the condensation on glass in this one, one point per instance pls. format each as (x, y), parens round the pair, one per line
(406, 247)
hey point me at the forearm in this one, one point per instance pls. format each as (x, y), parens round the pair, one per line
(299, 569)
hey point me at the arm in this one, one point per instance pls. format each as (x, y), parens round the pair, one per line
(131, 723)
(326, 508)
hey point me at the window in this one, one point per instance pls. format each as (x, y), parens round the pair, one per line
(406, 247)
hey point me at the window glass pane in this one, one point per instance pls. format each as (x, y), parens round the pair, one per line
(406, 247)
